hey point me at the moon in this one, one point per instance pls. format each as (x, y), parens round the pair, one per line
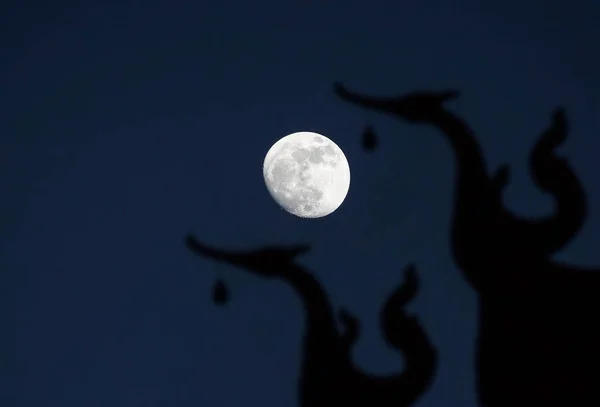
(307, 174)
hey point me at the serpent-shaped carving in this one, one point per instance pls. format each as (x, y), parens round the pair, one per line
(538, 342)
(329, 377)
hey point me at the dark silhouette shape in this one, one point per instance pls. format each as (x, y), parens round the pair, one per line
(539, 340)
(220, 294)
(329, 377)
(369, 140)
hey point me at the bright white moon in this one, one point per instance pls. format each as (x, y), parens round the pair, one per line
(307, 174)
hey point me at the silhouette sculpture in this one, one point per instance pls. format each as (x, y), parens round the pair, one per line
(369, 139)
(220, 294)
(329, 377)
(539, 339)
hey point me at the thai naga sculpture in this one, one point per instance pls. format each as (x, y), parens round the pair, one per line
(329, 377)
(539, 339)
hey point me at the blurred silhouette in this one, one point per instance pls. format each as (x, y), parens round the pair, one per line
(369, 140)
(539, 339)
(220, 294)
(329, 377)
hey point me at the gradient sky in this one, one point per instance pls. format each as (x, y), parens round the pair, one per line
(126, 125)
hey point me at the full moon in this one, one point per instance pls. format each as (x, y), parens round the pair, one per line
(307, 174)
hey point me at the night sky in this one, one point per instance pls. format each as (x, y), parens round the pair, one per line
(125, 126)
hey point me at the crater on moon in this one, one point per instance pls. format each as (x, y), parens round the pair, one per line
(307, 174)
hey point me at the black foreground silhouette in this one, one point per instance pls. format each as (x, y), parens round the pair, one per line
(539, 339)
(220, 294)
(369, 139)
(329, 377)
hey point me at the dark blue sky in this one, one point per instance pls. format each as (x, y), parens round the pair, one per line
(126, 125)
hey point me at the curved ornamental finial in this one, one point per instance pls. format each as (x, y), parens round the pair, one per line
(329, 377)
(538, 338)
(553, 175)
(481, 222)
